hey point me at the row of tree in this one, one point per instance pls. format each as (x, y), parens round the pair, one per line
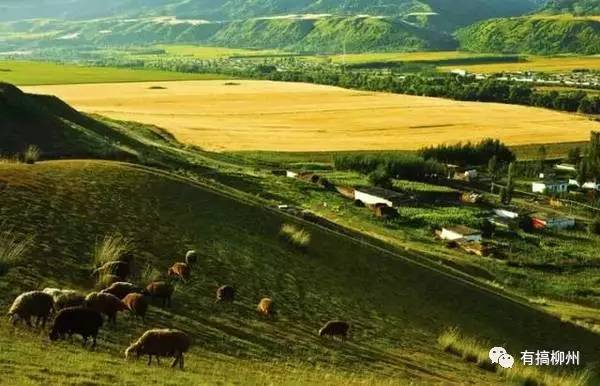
(470, 153)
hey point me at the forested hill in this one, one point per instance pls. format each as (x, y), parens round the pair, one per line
(575, 7)
(440, 13)
(538, 34)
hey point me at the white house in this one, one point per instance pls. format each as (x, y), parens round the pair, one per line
(505, 213)
(591, 186)
(291, 174)
(461, 232)
(374, 195)
(549, 187)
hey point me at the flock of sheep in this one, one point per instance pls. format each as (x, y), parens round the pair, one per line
(82, 315)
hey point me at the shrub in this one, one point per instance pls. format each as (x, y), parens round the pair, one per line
(381, 178)
(594, 226)
(111, 248)
(150, 274)
(12, 248)
(298, 237)
(32, 154)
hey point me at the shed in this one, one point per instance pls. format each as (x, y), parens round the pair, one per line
(461, 232)
(544, 221)
(375, 195)
(508, 213)
(550, 186)
(291, 174)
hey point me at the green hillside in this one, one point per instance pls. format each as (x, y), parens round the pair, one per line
(575, 7)
(397, 308)
(536, 35)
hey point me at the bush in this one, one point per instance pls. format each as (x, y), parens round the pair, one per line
(395, 165)
(381, 178)
(12, 248)
(594, 227)
(111, 248)
(32, 154)
(469, 153)
(298, 237)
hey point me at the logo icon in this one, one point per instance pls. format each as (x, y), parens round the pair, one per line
(506, 361)
(496, 353)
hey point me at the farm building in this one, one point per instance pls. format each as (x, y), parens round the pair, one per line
(565, 167)
(461, 232)
(551, 187)
(508, 213)
(291, 174)
(543, 221)
(591, 185)
(375, 195)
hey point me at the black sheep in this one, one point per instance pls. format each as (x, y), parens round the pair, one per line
(225, 293)
(335, 328)
(77, 320)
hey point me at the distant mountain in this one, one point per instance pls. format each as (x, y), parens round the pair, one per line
(575, 7)
(443, 14)
(538, 34)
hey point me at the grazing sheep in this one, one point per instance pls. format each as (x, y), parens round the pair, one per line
(191, 257)
(33, 303)
(121, 269)
(180, 270)
(106, 304)
(161, 290)
(137, 304)
(266, 307)
(225, 293)
(65, 298)
(68, 300)
(106, 280)
(77, 320)
(121, 289)
(335, 328)
(161, 343)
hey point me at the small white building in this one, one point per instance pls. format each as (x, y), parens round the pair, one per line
(552, 187)
(565, 167)
(375, 196)
(459, 72)
(291, 174)
(461, 232)
(506, 213)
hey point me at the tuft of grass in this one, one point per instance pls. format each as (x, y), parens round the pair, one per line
(111, 248)
(32, 154)
(150, 274)
(296, 236)
(12, 248)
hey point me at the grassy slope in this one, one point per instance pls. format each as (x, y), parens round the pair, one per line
(397, 309)
(37, 73)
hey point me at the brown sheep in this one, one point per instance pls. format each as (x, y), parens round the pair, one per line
(335, 328)
(161, 290)
(225, 293)
(180, 270)
(137, 304)
(106, 304)
(33, 303)
(161, 343)
(266, 307)
(121, 289)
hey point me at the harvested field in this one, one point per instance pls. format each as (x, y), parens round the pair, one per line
(262, 115)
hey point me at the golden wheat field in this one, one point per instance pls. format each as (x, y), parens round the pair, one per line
(262, 115)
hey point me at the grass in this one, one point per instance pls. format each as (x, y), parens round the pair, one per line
(111, 248)
(27, 73)
(274, 116)
(13, 247)
(298, 237)
(476, 352)
(204, 52)
(396, 307)
(32, 154)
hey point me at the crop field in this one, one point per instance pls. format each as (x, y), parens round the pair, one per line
(24, 73)
(425, 56)
(261, 115)
(204, 52)
(565, 63)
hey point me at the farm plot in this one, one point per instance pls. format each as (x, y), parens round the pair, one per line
(262, 115)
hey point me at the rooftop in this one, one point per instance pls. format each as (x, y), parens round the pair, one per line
(381, 192)
(463, 230)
